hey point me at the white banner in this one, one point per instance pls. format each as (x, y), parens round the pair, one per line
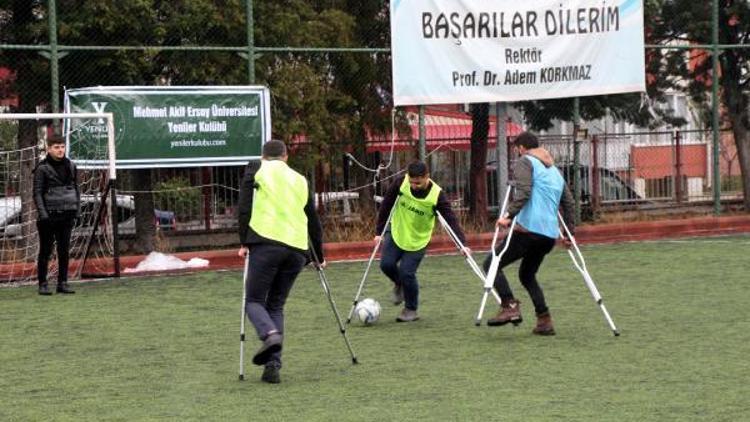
(471, 51)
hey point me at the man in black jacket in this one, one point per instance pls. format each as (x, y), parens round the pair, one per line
(57, 200)
(277, 225)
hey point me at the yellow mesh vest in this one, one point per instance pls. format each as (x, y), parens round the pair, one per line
(414, 218)
(279, 204)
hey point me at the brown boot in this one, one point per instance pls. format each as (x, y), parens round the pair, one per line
(407, 315)
(510, 311)
(544, 325)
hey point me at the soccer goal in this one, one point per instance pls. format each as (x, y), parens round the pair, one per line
(90, 141)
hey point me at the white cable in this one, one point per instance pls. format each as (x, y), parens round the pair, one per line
(126, 192)
(396, 174)
(390, 155)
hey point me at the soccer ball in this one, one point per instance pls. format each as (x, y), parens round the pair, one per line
(368, 311)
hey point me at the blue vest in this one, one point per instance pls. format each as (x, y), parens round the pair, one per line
(539, 214)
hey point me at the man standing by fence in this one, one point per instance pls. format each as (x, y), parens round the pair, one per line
(277, 221)
(57, 200)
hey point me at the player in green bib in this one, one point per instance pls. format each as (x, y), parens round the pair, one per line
(417, 199)
(277, 226)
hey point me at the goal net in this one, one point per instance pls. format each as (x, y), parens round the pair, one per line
(90, 144)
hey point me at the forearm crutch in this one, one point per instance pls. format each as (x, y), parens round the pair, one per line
(369, 263)
(242, 319)
(469, 259)
(327, 290)
(489, 279)
(581, 266)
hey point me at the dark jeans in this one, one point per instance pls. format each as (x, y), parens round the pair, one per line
(51, 232)
(272, 270)
(531, 248)
(401, 267)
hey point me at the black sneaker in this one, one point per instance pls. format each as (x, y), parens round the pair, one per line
(271, 374)
(271, 345)
(44, 290)
(64, 288)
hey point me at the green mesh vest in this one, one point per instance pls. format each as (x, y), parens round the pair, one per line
(279, 204)
(414, 218)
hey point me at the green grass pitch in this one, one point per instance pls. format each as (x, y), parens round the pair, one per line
(164, 348)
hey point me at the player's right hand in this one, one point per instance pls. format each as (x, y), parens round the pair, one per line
(377, 239)
(243, 251)
(503, 222)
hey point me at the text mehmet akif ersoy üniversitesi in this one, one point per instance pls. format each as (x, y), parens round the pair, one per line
(209, 125)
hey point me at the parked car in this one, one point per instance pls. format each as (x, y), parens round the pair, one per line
(612, 187)
(613, 190)
(341, 207)
(11, 224)
(164, 220)
(10, 217)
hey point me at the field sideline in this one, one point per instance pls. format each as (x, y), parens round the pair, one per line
(167, 347)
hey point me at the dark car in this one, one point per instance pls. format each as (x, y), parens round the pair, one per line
(612, 188)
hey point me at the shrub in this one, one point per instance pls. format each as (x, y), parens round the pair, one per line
(176, 194)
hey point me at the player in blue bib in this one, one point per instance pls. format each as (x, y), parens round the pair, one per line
(539, 191)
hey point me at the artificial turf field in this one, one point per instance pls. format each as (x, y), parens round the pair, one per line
(162, 348)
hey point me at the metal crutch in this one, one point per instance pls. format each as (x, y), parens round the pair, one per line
(369, 264)
(469, 259)
(581, 266)
(489, 280)
(242, 319)
(327, 290)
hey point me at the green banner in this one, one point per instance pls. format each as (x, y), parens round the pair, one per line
(169, 126)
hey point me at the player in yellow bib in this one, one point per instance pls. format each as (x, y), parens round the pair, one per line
(416, 198)
(277, 225)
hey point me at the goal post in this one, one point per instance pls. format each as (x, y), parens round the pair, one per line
(93, 250)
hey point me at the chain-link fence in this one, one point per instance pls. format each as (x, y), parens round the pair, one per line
(327, 65)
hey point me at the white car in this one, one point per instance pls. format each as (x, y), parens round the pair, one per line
(11, 224)
(341, 206)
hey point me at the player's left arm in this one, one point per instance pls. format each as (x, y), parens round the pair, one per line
(245, 201)
(568, 209)
(314, 229)
(444, 208)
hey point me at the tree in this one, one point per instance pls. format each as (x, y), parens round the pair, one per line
(108, 22)
(675, 21)
(22, 23)
(480, 122)
(150, 22)
(323, 99)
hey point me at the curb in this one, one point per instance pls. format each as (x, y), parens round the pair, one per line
(588, 234)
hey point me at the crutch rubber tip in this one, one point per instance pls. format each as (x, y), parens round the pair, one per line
(617, 333)
(242, 377)
(478, 323)
(354, 361)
